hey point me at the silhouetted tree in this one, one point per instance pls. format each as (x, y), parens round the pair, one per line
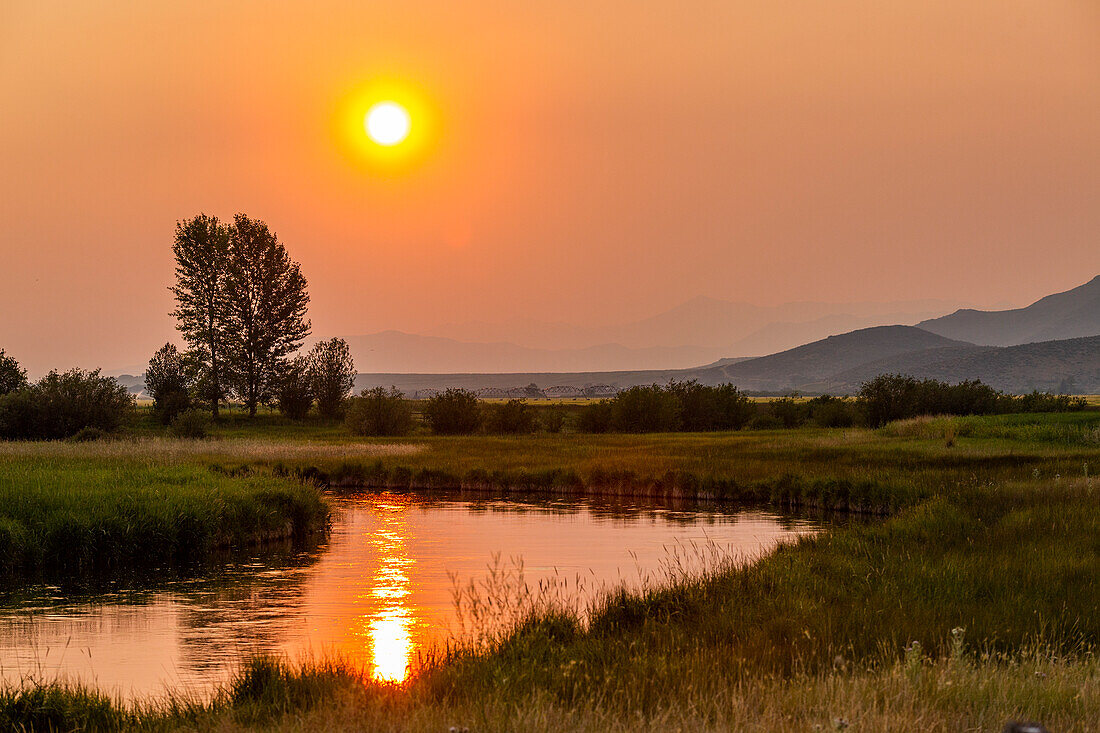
(331, 375)
(511, 417)
(295, 395)
(201, 248)
(12, 376)
(168, 382)
(264, 306)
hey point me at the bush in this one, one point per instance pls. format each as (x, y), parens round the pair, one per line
(379, 412)
(294, 395)
(595, 418)
(552, 419)
(168, 383)
(833, 412)
(12, 376)
(60, 405)
(788, 411)
(454, 412)
(193, 424)
(88, 435)
(765, 421)
(649, 409)
(512, 417)
(331, 375)
(711, 408)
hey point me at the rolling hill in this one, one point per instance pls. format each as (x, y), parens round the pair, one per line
(1069, 315)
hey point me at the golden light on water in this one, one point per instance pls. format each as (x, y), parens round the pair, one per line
(389, 627)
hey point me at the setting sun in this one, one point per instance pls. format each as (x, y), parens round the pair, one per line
(387, 123)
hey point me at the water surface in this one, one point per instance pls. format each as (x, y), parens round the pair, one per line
(379, 592)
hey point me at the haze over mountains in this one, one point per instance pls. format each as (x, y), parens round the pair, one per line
(998, 352)
(697, 332)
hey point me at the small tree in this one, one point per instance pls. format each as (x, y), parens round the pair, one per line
(379, 412)
(513, 417)
(295, 396)
(12, 376)
(649, 409)
(331, 375)
(168, 382)
(453, 412)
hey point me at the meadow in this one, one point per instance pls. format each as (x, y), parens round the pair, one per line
(972, 599)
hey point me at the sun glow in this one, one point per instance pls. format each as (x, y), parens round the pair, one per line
(386, 126)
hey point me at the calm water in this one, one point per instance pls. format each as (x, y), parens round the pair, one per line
(380, 590)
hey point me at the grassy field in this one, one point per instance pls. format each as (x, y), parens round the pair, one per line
(976, 601)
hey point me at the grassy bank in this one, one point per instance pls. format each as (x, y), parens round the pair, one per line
(68, 515)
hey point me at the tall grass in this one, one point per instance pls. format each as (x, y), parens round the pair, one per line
(73, 516)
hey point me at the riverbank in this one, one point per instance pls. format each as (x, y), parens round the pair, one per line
(71, 516)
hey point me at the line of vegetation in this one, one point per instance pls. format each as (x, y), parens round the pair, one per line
(67, 517)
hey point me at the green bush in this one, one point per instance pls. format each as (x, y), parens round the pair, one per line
(454, 412)
(552, 419)
(788, 411)
(705, 408)
(193, 424)
(651, 409)
(60, 405)
(513, 417)
(595, 418)
(833, 412)
(379, 412)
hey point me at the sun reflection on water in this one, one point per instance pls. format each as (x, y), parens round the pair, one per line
(389, 625)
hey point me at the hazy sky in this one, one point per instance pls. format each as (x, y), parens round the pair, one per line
(590, 161)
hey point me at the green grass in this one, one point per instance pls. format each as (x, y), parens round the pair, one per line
(976, 601)
(64, 516)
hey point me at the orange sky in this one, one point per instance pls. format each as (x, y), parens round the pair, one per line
(593, 162)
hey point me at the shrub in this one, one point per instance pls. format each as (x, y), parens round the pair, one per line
(60, 405)
(512, 417)
(595, 418)
(379, 412)
(788, 411)
(765, 421)
(705, 408)
(645, 410)
(833, 412)
(190, 424)
(453, 412)
(331, 375)
(88, 435)
(168, 383)
(294, 395)
(12, 376)
(552, 419)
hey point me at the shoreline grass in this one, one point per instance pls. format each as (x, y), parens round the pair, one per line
(67, 517)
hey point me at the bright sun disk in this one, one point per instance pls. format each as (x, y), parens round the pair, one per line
(387, 123)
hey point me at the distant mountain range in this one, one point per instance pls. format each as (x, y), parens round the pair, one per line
(1069, 315)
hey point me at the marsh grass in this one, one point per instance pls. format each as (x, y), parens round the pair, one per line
(64, 516)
